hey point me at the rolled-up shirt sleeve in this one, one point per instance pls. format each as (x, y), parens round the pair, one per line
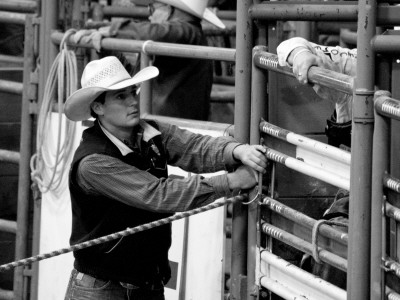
(286, 47)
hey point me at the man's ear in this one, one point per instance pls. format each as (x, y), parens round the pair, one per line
(97, 107)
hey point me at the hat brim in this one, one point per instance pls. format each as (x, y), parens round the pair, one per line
(77, 106)
(209, 16)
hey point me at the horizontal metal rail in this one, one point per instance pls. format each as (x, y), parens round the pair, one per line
(6, 295)
(304, 168)
(124, 11)
(300, 218)
(392, 212)
(11, 87)
(304, 246)
(386, 43)
(316, 75)
(190, 51)
(228, 129)
(387, 107)
(10, 156)
(18, 60)
(23, 6)
(327, 11)
(156, 48)
(304, 142)
(391, 182)
(348, 36)
(143, 12)
(391, 295)
(299, 282)
(222, 97)
(8, 226)
(12, 18)
(392, 266)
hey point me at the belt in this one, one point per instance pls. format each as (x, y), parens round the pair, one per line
(147, 285)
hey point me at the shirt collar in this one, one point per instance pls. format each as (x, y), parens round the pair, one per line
(148, 133)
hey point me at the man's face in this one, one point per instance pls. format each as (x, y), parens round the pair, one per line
(120, 111)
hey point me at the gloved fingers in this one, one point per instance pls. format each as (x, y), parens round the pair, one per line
(82, 33)
(96, 40)
(105, 31)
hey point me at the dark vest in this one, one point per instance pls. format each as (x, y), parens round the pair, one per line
(139, 259)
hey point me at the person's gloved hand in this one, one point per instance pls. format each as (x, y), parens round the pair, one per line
(92, 35)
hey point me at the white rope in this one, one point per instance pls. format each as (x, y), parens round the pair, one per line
(47, 168)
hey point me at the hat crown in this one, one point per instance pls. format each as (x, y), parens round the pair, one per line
(104, 73)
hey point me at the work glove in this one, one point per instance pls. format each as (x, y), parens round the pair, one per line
(93, 36)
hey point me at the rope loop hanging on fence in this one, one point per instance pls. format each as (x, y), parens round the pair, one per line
(120, 234)
(315, 251)
(47, 167)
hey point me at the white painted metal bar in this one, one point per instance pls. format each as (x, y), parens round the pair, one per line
(295, 282)
(280, 290)
(306, 143)
(8, 226)
(309, 170)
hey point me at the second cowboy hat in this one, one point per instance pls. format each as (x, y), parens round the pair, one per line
(100, 76)
(197, 8)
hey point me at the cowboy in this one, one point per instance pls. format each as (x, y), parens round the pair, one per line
(183, 88)
(118, 179)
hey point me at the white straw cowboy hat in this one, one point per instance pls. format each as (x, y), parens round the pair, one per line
(197, 8)
(100, 76)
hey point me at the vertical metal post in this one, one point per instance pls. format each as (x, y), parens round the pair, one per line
(394, 227)
(47, 54)
(244, 42)
(380, 164)
(145, 88)
(258, 105)
(358, 279)
(24, 168)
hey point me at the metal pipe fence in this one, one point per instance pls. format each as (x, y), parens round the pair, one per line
(316, 75)
(12, 18)
(304, 142)
(11, 87)
(303, 284)
(25, 6)
(386, 109)
(156, 48)
(302, 219)
(304, 246)
(307, 169)
(8, 226)
(10, 156)
(228, 129)
(328, 11)
(143, 12)
(15, 60)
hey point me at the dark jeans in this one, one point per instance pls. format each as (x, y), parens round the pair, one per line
(85, 287)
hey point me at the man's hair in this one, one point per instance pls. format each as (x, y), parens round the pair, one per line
(101, 99)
